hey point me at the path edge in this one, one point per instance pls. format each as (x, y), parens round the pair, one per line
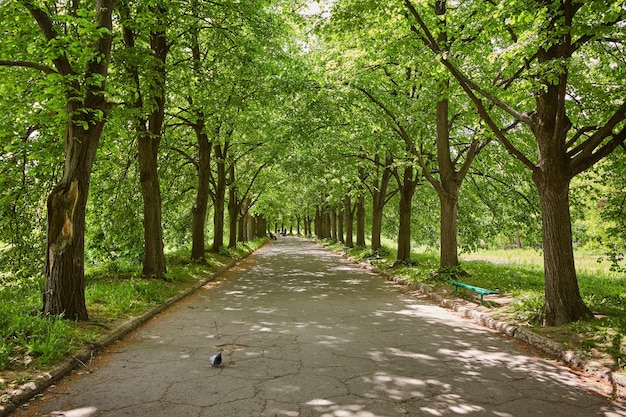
(32, 389)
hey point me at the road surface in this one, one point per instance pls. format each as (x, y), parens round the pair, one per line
(305, 333)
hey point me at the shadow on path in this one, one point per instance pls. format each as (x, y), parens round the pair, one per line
(304, 333)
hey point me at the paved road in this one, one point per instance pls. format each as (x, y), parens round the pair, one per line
(305, 333)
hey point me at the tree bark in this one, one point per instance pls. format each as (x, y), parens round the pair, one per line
(154, 256)
(317, 223)
(340, 221)
(407, 186)
(380, 186)
(64, 287)
(360, 222)
(199, 210)
(233, 221)
(219, 198)
(563, 303)
(333, 224)
(349, 218)
(148, 126)
(448, 251)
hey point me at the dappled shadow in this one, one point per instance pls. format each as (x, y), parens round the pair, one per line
(304, 333)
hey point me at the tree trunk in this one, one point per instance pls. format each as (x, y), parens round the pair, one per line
(377, 218)
(233, 220)
(148, 123)
(333, 224)
(250, 227)
(326, 223)
(234, 210)
(360, 222)
(219, 199)
(241, 228)
(340, 221)
(349, 221)
(317, 223)
(154, 256)
(407, 189)
(404, 228)
(379, 200)
(199, 211)
(64, 286)
(563, 303)
(448, 251)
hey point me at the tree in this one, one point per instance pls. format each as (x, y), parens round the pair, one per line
(574, 123)
(147, 103)
(78, 44)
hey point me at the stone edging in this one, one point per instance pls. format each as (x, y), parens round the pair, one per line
(31, 389)
(556, 349)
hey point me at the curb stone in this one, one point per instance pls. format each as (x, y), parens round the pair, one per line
(549, 346)
(36, 387)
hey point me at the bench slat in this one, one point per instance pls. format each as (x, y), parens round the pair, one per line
(478, 290)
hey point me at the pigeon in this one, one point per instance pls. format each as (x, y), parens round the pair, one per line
(216, 359)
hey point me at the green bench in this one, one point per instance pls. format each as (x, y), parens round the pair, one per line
(477, 290)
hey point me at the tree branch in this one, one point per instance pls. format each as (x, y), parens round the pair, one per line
(28, 64)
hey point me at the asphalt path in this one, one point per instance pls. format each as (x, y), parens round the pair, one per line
(306, 333)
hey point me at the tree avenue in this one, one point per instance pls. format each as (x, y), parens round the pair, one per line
(448, 125)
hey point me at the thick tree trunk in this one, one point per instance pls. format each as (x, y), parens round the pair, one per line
(448, 251)
(241, 228)
(250, 228)
(64, 286)
(199, 211)
(218, 222)
(379, 200)
(148, 124)
(563, 303)
(349, 221)
(377, 219)
(552, 175)
(333, 224)
(154, 256)
(326, 223)
(317, 223)
(407, 189)
(261, 227)
(219, 201)
(233, 222)
(234, 210)
(360, 222)
(404, 228)
(340, 221)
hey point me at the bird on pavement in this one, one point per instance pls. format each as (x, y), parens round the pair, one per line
(216, 359)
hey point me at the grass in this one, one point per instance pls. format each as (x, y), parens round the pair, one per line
(30, 341)
(519, 275)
